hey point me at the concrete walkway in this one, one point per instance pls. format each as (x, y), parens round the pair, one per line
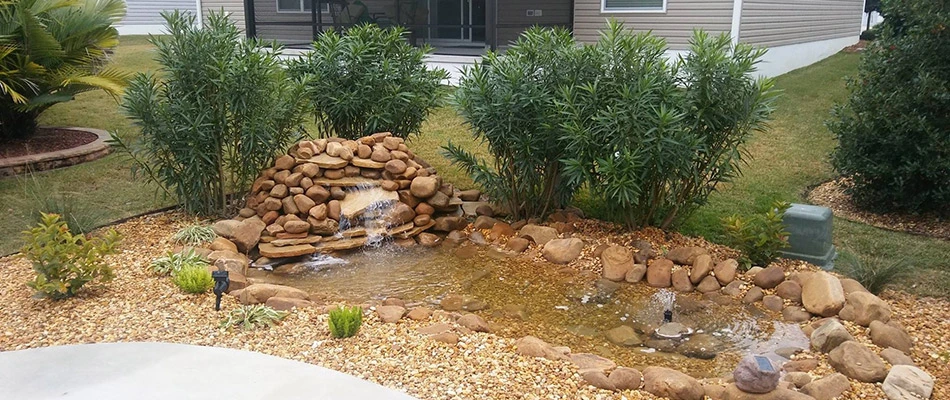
(125, 371)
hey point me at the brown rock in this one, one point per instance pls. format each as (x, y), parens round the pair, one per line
(868, 307)
(220, 243)
(770, 277)
(726, 271)
(424, 208)
(485, 210)
(896, 357)
(281, 176)
(827, 388)
(822, 295)
(795, 314)
(246, 235)
(702, 266)
(591, 362)
(517, 245)
(396, 167)
(420, 314)
(660, 273)
(260, 292)
(334, 210)
(364, 151)
(801, 365)
(389, 185)
(473, 322)
(318, 194)
(337, 193)
(400, 214)
(531, 346)
(296, 227)
(598, 380)
(665, 382)
(624, 378)
(449, 224)
(856, 361)
(754, 294)
(616, 261)
(319, 211)
(424, 187)
(890, 334)
(334, 174)
(287, 303)
(270, 251)
(636, 273)
(303, 203)
(685, 255)
(452, 302)
(449, 338)
(502, 229)
(470, 195)
(773, 302)
(293, 179)
(680, 278)
(285, 162)
(390, 314)
(428, 240)
(850, 285)
(789, 290)
(623, 335)
(562, 251)
(829, 336)
(484, 222)
(708, 284)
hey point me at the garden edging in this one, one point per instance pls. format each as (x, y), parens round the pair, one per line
(60, 158)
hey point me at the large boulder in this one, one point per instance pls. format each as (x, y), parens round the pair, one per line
(539, 234)
(868, 307)
(906, 382)
(732, 392)
(829, 335)
(890, 334)
(424, 187)
(665, 382)
(260, 292)
(562, 251)
(822, 295)
(617, 261)
(789, 290)
(827, 388)
(702, 266)
(750, 378)
(770, 277)
(685, 255)
(856, 361)
(660, 273)
(624, 378)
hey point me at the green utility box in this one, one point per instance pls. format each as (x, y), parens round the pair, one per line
(809, 229)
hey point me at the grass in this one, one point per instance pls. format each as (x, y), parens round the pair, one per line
(786, 162)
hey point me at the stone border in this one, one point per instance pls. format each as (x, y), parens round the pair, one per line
(61, 158)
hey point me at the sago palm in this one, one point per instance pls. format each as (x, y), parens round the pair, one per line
(51, 50)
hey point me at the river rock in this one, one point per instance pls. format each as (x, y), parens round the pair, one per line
(905, 382)
(685, 255)
(539, 234)
(390, 314)
(829, 336)
(680, 279)
(424, 187)
(287, 303)
(702, 266)
(616, 261)
(533, 347)
(753, 295)
(660, 273)
(474, 322)
(598, 380)
(856, 361)
(795, 314)
(623, 335)
(751, 379)
(592, 362)
(868, 307)
(270, 251)
(890, 335)
(636, 273)
(770, 277)
(827, 388)
(773, 302)
(562, 251)
(624, 378)
(896, 357)
(822, 295)
(449, 224)
(726, 271)
(259, 293)
(517, 245)
(799, 379)
(665, 382)
(708, 284)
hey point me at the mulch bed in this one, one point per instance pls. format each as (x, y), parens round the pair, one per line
(832, 195)
(857, 47)
(45, 140)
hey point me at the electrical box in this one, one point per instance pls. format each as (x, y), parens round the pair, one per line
(529, 13)
(810, 234)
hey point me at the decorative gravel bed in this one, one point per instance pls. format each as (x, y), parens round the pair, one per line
(139, 306)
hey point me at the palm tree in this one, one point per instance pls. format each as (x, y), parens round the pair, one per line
(51, 50)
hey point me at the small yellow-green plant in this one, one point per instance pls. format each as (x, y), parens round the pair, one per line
(345, 321)
(172, 262)
(193, 279)
(759, 237)
(64, 262)
(252, 317)
(193, 235)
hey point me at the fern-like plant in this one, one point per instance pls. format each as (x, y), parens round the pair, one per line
(252, 317)
(345, 321)
(193, 279)
(873, 272)
(193, 235)
(173, 262)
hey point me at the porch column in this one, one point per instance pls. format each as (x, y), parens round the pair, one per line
(491, 20)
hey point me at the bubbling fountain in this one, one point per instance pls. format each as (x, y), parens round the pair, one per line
(666, 299)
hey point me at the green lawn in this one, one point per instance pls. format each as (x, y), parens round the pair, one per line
(786, 161)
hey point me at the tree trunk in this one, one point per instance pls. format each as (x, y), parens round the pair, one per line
(17, 124)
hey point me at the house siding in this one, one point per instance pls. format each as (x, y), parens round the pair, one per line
(676, 24)
(512, 18)
(781, 22)
(234, 7)
(148, 12)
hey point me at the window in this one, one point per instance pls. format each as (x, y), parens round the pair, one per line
(633, 6)
(300, 5)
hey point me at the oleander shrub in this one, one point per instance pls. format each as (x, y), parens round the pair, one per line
(193, 279)
(50, 51)
(345, 321)
(369, 80)
(65, 262)
(893, 131)
(219, 111)
(172, 262)
(250, 317)
(194, 235)
(760, 237)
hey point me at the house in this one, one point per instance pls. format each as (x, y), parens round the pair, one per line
(798, 33)
(144, 17)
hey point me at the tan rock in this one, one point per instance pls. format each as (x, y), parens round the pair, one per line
(660, 273)
(539, 234)
(685, 255)
(562, 251)
(531, 346)
(591, 362)
(390, 314)
(868, 307)
(474, 322)
(702, 266)
(665, 382)
(271, 251)
(287, 303)
(616, 261)
(823, 295)
(856, 361)
(260, 292)
(726, 271)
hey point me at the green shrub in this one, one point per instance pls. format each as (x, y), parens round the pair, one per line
(65, 262)
(345, 321)
(50, 51)
(193, 279)
(759, 237)
(220, 111)
(869, 35)
(252, 317)
(509, 102)
(195, 234)
(369, 80)
(893, 131)
(873, 272)
(172, 262)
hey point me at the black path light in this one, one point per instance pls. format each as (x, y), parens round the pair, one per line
(221, 283)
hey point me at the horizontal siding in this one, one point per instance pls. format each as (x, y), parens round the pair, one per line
(148, 12)
(234, 7)
(782, 22)
(553, 12)
(676, 24)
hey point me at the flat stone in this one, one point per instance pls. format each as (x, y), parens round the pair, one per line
(325, 161)
(271, 251)
(905, 382)
(347, 181)
(624, 335)
(414, 231)
(896, 357)
(293, 242)
(367, 163)
(592, 362)
(435, 329)
(357, 202)
(339, 245)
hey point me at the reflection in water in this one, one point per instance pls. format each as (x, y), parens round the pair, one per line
(562, 306)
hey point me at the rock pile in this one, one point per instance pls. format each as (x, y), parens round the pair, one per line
(332, 194)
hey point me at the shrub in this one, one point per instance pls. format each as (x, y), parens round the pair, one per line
(869, 35)
(172, 262)
(193, 279)
(893, 130)
(345, 321)
(65, 262)
(758, 237)
(369, 80)
(873, 272)
(509, 103)
(219, 112)
(195, 234)
(252, 317)
(51, 51)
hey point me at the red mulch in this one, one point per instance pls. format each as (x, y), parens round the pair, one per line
(45, 140)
